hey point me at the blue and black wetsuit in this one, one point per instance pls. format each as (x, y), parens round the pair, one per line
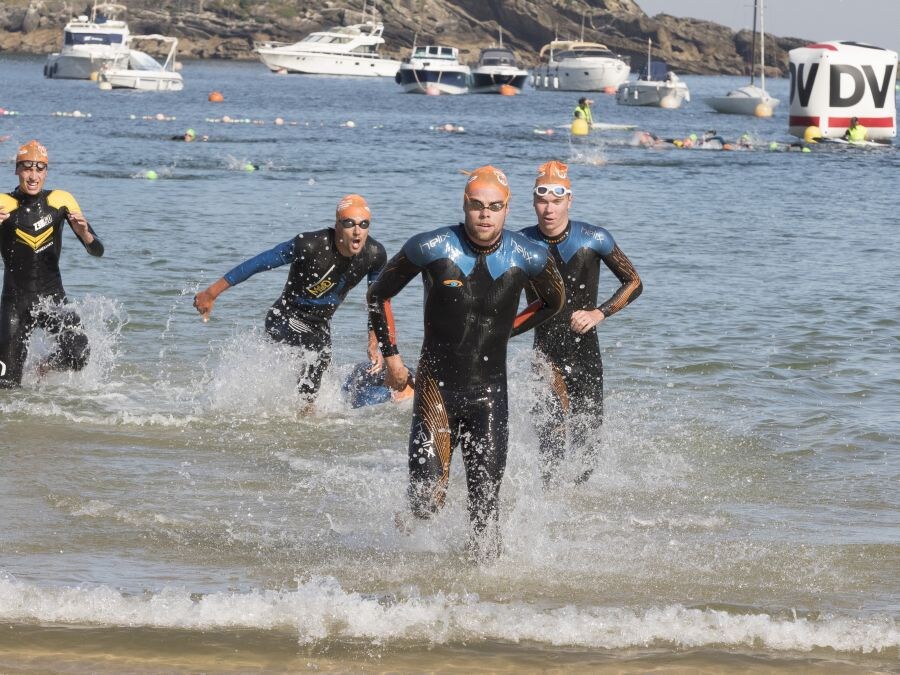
(573, 396)
(471, 297)
(30, 243)
(319, 280)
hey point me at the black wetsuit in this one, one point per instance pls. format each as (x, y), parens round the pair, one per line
(575, 374)
(471, 298)
(319, 280)
(31, 242)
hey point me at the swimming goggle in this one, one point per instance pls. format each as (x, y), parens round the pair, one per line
(31, 164)
(348, 223)
(555, 190)
(477, 205)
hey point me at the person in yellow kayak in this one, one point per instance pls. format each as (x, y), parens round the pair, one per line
(583, 111)
(856, 133)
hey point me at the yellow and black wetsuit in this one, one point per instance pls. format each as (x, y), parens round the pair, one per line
(30, 243)
(471, 297)
(572, 399)
(318, 281)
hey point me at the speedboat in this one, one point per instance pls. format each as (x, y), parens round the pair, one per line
(346, 50)
(750, 99)
(433, 69)
(139, 70)
(497, 70)
(567, 65)
(657, 86)
(90, 43)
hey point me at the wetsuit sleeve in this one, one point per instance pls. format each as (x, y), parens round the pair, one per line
(398, 272)
(95, 248)
(548, 286)
(267, 260)
(631, 285)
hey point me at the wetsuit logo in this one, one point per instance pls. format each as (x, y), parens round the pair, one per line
(452, 283)
(43, 222)
(434, 241)
(34, 242)
(320, 288)
(524, 252)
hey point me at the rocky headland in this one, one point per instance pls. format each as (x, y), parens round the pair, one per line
(227, 29)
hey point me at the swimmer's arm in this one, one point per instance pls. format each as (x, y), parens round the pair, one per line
(551, 296)
(85, 233)
(631, 286)
(398, 272)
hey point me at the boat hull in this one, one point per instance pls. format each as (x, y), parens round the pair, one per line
(142, 80)
(652, 93)
(433, 79)
(75, 66)
(487, 81)
(594, 74)
(743, 101)
(327, 64)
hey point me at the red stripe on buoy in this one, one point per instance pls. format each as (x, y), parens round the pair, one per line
(829, 47)
(879, 122)
(798, 121)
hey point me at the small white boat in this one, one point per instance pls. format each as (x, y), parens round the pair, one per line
(90, 43)
(139, 70)
(749, 100)
(579, 66)
(346, 50)
(657, 86)
(433, 69)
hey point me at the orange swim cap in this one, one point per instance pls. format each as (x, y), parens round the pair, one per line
(553, 173)
(32, 151)
(488, 176)
(353, 206)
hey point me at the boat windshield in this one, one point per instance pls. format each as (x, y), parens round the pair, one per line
(497, 58)
(324, 38)
(141, 61)
(435, 52)
(80, 38)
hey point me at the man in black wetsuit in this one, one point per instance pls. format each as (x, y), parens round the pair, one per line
(474, 274)
(567, 345)
(31, 229)
(325, 265)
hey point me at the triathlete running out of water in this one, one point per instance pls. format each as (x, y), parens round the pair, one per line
(567, 347)
(31, 230)
(474, 274)
(325, 265)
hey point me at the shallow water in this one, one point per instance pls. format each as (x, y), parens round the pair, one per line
(169, 508)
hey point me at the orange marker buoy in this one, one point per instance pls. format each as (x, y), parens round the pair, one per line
(216, 97)
(610, 90)
(508, 90)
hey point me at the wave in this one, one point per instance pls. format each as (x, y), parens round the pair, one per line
(319, 611)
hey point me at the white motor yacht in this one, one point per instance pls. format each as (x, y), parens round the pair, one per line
(433, 69)
(90, 43)
(139, 70)
(346, 50)
(497, 69)
(567, 65)
(657, 86)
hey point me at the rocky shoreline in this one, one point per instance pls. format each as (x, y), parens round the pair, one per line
(227, 29)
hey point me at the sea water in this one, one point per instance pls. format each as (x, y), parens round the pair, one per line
(171, 508)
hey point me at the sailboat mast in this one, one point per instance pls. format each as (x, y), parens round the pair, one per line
(649, 46)
(753, 43)
(762, 44)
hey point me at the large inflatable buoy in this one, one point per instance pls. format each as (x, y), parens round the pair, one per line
(580, 127)
(832, 82)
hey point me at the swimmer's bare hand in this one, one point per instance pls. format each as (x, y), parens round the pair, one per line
(374, 355)
(203, 302)
(583, 320)
(397, 375)
(80, 227)
(3, 215)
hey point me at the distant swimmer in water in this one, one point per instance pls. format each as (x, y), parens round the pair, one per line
(366, 386)
(567, 346)
(474, 274)
(325, 265)
(190, 136)
(32, 221)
